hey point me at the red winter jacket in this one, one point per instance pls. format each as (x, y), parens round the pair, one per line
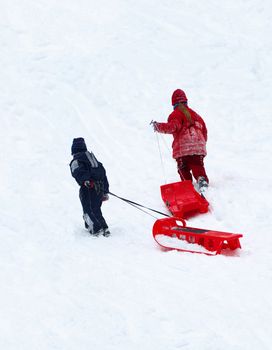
(190, 136)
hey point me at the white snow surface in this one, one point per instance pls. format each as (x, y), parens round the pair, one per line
(176, 243)
(103, 70)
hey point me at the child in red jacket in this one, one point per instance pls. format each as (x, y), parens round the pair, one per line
(190, 137)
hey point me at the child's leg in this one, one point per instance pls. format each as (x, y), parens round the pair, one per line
(96, 204)
(196, 164)
(183, 169)
(88, 214)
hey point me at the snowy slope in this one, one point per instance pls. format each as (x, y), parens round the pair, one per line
(103, 70)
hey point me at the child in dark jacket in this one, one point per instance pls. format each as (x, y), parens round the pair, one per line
(190, 136)
(90, 174)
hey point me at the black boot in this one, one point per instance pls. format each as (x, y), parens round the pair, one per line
(202, 184)
(106, 232)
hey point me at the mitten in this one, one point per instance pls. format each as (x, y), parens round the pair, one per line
(89, 183)
(154, 125)
(105, 197)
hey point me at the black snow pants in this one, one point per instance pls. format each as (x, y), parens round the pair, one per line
(91, 205)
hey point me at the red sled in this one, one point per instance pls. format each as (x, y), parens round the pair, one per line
(182, 200)
(172, 234)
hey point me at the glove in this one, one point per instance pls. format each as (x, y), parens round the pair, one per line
(105, 197)
(154, 125)
(89, 183)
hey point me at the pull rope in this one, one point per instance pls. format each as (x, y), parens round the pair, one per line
(160, 153)
(139, 206)
(168, 149)
(165, 144)
(162, 164)
(133, 205)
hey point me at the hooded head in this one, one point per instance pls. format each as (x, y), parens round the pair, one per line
(78, 145)
(178, 97)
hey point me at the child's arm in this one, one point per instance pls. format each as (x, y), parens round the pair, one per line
(170, 127)
(79, 172)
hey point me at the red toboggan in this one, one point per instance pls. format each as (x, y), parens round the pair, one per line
(182, 200)
(173, 234)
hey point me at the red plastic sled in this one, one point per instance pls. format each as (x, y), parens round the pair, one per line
(182, 200)
(172, 234)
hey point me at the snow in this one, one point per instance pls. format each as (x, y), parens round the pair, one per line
(103, 70)
(174, 242)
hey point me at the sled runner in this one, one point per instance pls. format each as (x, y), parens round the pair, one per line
(182, 200)
(172, 234)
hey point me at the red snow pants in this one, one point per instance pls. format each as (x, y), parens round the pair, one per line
(191, 165)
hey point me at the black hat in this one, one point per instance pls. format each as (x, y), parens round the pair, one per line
(78, 145)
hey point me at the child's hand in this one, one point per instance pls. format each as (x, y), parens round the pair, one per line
(154, 125)
(105, 197)
(89, 183)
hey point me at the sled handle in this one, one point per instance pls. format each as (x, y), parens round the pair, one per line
(180, 220)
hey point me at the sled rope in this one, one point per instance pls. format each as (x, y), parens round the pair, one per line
(133, 205)
(165, 144)
(162, 165)
(139, 206)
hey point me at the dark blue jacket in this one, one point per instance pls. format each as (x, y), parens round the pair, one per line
(85, 166)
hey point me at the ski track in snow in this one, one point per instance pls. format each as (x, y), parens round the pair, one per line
(104, 71)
